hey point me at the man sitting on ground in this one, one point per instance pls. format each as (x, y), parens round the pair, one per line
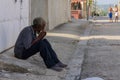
(28, 44)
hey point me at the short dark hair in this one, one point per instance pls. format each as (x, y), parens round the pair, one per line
(38, 21)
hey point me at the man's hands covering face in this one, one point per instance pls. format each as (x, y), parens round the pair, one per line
(41, 35)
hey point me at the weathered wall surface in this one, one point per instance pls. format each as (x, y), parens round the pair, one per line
(58, 12)
(39, 8)
(13, 17)
(55, 12)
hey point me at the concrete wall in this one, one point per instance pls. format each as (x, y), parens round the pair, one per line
(39, 8)
(13, 17)
(58, 12)
(55, 12)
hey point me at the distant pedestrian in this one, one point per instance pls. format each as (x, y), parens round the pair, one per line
(28, 44)
(110, 14)
(116, 13)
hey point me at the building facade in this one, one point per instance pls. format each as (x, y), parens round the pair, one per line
(20, 13)
(78, 9)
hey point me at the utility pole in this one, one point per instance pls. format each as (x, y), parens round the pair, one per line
(87, 9)
(95, 6)
(94, 9)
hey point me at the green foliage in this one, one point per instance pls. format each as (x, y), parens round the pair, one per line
(104, 13)
(90, 2)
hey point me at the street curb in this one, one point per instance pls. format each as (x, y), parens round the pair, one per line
(78, 57)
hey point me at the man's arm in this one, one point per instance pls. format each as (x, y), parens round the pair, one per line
(40, 37)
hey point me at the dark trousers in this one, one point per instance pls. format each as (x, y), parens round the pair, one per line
(47, 53)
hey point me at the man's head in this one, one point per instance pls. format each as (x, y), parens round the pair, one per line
(39, 24)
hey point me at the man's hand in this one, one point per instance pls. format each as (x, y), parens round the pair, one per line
(40, 37)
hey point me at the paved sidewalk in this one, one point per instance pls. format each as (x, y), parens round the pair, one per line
(64, 39)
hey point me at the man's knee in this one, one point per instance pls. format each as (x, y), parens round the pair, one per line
(45, 40)
(42, 43)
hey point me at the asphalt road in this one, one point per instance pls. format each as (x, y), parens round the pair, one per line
(102, 53)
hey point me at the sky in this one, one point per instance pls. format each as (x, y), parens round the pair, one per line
(107, 1)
